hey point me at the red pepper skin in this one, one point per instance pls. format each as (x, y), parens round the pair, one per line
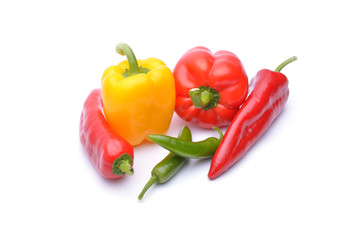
(222, 72)
(100, 142)
(268, 94)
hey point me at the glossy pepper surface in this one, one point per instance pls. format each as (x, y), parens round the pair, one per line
(209, 87)
(169, 166)
(268, 94)
(188, 149)
(111, 155)
(138, 95)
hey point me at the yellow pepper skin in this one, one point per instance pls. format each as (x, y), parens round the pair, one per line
(138, 96)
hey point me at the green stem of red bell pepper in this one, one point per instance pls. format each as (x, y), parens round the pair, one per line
(204, 97)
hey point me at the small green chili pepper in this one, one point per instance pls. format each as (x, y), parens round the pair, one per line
(169, 166)
(188, 149)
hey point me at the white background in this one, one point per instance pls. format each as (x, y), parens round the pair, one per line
(300, 181)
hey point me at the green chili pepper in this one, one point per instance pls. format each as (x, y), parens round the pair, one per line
(188, 149)
(169, 166)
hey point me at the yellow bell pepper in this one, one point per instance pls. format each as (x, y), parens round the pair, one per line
(138, 96)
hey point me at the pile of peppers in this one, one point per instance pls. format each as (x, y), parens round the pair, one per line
(137, 100)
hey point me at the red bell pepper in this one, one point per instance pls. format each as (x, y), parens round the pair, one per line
(111, 155)
(209, 87)
(268, 95)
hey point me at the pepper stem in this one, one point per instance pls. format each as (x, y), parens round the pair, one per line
(204, 97)
(124, 49)
(123, 165)
(126, 167)
(152, 180)
(281, 66)
(220, 132)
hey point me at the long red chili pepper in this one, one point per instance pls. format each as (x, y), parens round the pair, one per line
(111, 155)
(268, 94)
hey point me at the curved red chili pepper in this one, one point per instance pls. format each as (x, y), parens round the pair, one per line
(210, 88)
(111, 155)
(268, 94)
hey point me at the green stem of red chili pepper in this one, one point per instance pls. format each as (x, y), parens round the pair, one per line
(169, 166)
(188, 149)
(286, 62)
(123, 165)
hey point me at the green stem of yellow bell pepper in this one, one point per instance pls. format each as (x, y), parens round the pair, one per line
(124, 49)
(134, 68)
